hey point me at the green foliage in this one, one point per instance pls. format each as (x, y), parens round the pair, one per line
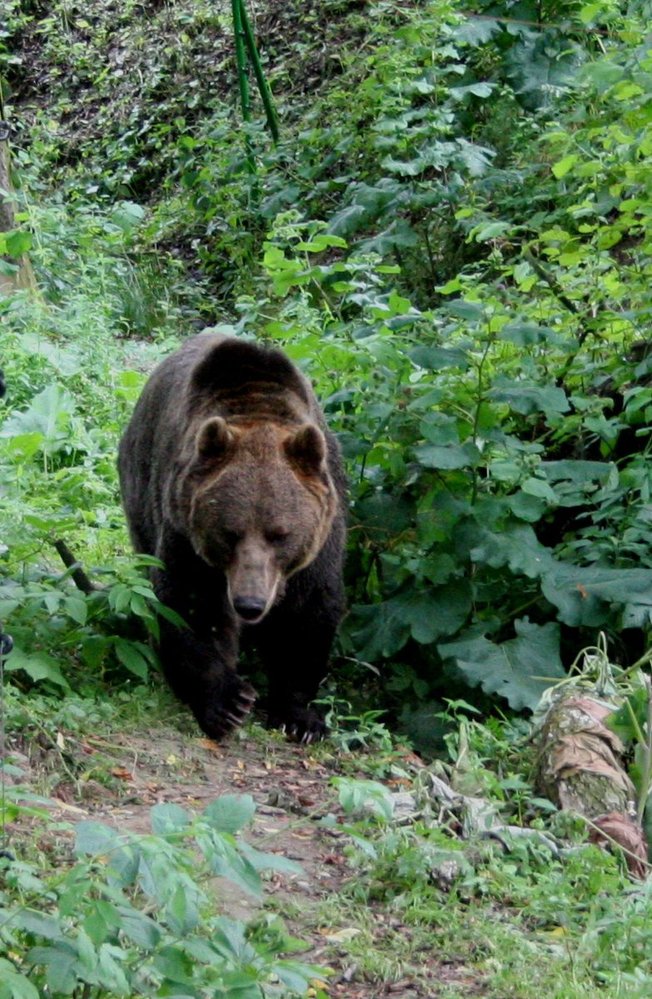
(136, 915)
(456, 492)
(69, 394)
(452, 239)
(360, 796)
(487, 889)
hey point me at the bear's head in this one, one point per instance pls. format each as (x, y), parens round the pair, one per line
(261, 503)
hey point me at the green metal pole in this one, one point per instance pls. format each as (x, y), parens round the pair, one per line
(241, 59)
(243, 79)
(263, 86)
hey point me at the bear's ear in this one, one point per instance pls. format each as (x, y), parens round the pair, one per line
(306, 449)
(214, 440)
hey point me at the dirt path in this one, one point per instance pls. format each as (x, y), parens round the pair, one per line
(290, 790)
(128, 773)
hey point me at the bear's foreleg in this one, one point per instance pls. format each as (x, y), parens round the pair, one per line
(294, 644)
(197, 671)
(199, 661)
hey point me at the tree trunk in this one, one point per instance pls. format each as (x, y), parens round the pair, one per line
(23, 277)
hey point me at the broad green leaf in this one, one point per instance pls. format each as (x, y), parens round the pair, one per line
(564, 165)
(124, 862)
(171, 616)
(132, 658)
(127, 215)
(377, 630)
(463, 309)
(476, 31)
(13, 985)
(518, 669)
(38, 924)
(530, 398)
(182, 911)
(364, 796)
(588, 12)
(66, 358)
(101, 920)
(241, 985)
(119, 597)
(76, 608)
(322, 241)
(87, 954)
(583, 595)
(37, 665)
(54, 521)
(347, 221)
(25, 445)
(425, 615)
(434, 613)
(169, 817)
(60, 963)
(517, 546)
(385, 513)
(17, 242)
(49, 415)
(435, 358)
(227, 862)
(230, 812)
(579, 472)
(524, 334)
(439, 428)
(262, 861)
(176, 966)
(448, 456)
(110, 972)
(95, 838)
(528, 508)
(491, 231)
(230, 938)
(475, 159)
(479, 89)
(541, 489)
(142, 930)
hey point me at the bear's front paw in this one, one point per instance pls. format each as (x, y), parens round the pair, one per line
(299, 724)
(226, 708)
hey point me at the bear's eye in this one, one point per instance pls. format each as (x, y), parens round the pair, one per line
(232, 538)
(276, 537)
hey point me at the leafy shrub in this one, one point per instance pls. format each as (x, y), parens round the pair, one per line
(470, 303)
(462, 438)
(139, 915)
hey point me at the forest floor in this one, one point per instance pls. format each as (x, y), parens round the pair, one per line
(116, 778)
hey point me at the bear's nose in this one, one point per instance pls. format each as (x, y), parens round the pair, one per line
(249, 608)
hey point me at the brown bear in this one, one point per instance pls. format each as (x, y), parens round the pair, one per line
(230, 477)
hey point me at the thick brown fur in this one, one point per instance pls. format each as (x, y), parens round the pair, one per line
(230, 477)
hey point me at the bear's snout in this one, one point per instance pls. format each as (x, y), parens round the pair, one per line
(250, 609)
(253, 579)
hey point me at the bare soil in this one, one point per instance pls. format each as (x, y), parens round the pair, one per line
(127, 773)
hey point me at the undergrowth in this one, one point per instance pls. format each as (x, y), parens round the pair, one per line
(131, 915)
(469, 298)
(452, 239)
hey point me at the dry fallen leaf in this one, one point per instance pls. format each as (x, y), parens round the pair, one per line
(341, 936)
(122, 773)
(621, 829)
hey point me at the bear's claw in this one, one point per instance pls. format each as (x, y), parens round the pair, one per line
(227, 710)
(300, 725)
